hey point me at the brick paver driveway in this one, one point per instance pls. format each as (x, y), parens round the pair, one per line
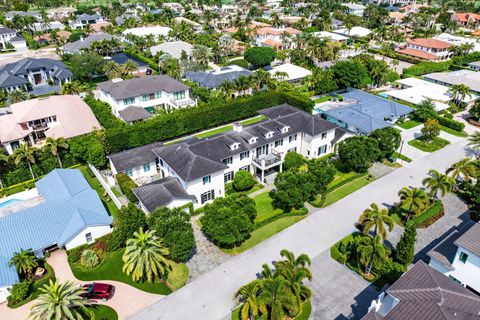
(126, 301)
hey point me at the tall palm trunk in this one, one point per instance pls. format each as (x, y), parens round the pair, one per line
(59, 160)
(31, 170)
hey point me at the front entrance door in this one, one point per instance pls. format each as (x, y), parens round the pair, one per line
(37, 78)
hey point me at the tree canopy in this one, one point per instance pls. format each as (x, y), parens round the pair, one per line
(260, 56)
(358, 153)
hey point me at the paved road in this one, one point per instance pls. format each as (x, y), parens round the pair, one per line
(211, 296)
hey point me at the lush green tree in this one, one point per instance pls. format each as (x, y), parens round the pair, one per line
(201, 54)
(322, 172)
(465, 169)
(321, 81)
(293, 161)
(378, 219)
(145, 257)
(55, 146)
(16, 96)
(474, 111)
(405, 249)
(248, 296)
(174, 228)
(438, 182)
(474, 139)
(371, 252)
(278, 299)
(229, 221)
(349, 73)
(25, 153)
(129, 220)
(426, 110)
(59, 301)
(72, 87)
(293, 189)
(127, 185)
(259, 56)
(430, 130)
(358, 153)
(89, 148)
(388, 140)
(87, 65)
(415, 199)
(25, 262)
(243, 181)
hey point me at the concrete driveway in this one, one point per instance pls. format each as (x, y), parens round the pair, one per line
(210, 297)
(127, 300)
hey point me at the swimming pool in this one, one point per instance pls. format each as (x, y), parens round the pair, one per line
(9, 202)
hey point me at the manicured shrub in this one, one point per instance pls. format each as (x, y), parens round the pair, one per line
(126, 185)
(337, 255)
(452, 124)
(174, 228)
(405, 250)
(19, 292)
(293, 161)
(260, 56)
(89, 258)
(426, 67)
(243, 181)
(75, 254)
(350, 73)
(229, 221)
(240, 62)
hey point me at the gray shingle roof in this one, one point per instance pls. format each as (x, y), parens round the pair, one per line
(144, 85)
(131, 158)
(77, 46)
(160, 193)
(134, 113)
(213, 79)
(70, 206)
(426, 294)
(6, 30)
(470, 240)
(14, 73)
(173, 48)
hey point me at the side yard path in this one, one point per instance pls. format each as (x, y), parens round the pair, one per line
(127, 300)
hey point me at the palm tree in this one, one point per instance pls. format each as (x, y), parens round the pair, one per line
(459, 92)
(248, 295)
(201, 54)
(3, 158)
(414, 198)
(371, 251)
(474, 140)
(277, 299)
(111, 69)
(465, 169)
(25, 262)
(59, 301)
(16, 96)
(438, 182)
(376, 218)
(72, 87)
(25, 153)
(128, 68)
(145, 257)
(55, 145)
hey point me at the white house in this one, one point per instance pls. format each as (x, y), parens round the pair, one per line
(203, 166)
(156, 31)
(149, 93)
(458, 256)
(289, 72)
(355, 8)
(8, 37)
(276, 38)
(83, 20)
(67, 213)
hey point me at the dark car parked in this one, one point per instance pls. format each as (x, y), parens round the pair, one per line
(97, 290)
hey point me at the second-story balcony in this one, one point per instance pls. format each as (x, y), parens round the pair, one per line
(183, 103)
(267, 161)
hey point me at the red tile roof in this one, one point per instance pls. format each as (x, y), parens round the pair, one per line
(272, 43)
(430, 43)
(418, 54)
(464, 17)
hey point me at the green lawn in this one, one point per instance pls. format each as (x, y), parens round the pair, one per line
(436, 144)
(264, 233)
(402, 157)
(322, 99)
(178, 277)
(456, 133)
(103, 312)
(228, 127)
(409, 124)
(339, 178)
(345, 190)
(111, 269)
(95, 184)
(265, 209)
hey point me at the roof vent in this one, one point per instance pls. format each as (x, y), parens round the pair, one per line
(237, 127)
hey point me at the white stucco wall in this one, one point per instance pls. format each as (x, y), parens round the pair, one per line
(79, 239)
(469, 272)
(4, 293)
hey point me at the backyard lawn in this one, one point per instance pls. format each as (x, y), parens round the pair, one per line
(111, 269)
(264, 233)
(95, 184)
(265, 209)
(409, 124)
(401, 157)
(436, 144)
(228, 127)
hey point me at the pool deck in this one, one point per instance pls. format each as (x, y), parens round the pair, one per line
(27, 199)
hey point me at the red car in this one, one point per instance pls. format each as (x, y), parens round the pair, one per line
(97, 290)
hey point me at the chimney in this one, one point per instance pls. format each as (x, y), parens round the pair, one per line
(237, 127)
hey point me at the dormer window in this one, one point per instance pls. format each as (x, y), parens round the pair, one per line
(252, 140)
(235, 146)
(285, 129)
(269, 135)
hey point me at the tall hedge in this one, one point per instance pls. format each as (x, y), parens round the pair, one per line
(426, 67)
(103, 113)
(190, 120)
(452, 124)
(126, 184)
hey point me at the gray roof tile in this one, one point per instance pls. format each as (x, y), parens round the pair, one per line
(470, 240)
(134, 113)
(131, 158)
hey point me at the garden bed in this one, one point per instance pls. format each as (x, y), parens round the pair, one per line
(303, 315)
(428, 217)
(432, 146)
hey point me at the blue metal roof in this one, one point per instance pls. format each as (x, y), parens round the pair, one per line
(368, 112)
(70, 206)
